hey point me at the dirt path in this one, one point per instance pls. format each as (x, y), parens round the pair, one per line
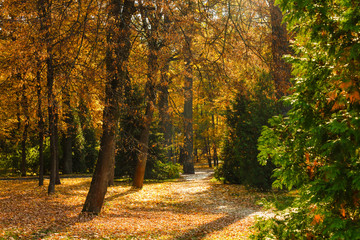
(193, 207)
(200, 174)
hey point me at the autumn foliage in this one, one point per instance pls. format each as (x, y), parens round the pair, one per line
(161, 210)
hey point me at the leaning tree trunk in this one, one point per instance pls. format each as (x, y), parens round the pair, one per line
(150, 93)
(119, 45)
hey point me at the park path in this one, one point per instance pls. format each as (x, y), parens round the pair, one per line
(192, 207)
(200, 174)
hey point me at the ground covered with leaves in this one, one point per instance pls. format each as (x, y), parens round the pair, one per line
(186, 208)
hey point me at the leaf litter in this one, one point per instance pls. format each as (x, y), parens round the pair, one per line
(179, 209)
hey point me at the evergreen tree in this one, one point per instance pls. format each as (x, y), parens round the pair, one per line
(245, 120)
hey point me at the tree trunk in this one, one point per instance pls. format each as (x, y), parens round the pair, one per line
(164, 111)
(15, 161)
(165, 120)
(67, 136)
(56, 145)
(150, 94)
(143, 146)
(52, 123)
(208, 152)
(42, 15)
(67, 153)
(119, 45)
(25, 133)
(112, 170)
(40, 128)
(215, 157)
(99, 183)
(188, 166)
(280, 69)
(45, 21)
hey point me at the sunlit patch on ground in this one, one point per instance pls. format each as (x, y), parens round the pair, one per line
(181, 209)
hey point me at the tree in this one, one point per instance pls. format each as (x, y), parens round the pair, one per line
(68, 134)
(249, 112)
(188, 91)
(45, 19)
(315, 147)
(280, 70)
(150, 91)
(117, 54)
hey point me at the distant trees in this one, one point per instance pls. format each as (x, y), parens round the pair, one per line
(253, 106)
(123, 83)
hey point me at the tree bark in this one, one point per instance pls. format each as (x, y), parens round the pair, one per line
(40, 127)
(52, 123)
(150, 94)
(45, 21)
(118, 44)
(188, 166)
(280, 69)
(215, 157)
(24, 104)
(163, 102)
(67, 136)
(56, 145)
(143, 146)
(112, 169)
(165, 120)
(67, 154)
(208, 151)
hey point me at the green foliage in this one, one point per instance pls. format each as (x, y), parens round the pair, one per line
(85, 143)
(10, 157)
(163, 170)
(245, 120)
(157, 166)
(317, 146)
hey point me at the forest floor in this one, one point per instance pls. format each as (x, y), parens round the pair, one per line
(192, 207)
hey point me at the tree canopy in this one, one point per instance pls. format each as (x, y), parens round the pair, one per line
(266, 92)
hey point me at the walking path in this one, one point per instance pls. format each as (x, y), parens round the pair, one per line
(200, 174)
(193, 207)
